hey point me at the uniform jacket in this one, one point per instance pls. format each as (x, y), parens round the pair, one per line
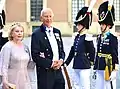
(106, 45)
(82, 52)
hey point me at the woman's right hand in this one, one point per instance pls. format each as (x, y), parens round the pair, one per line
(5, 85)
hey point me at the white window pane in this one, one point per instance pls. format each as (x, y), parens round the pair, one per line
(117, 9)
(76, 6)
(36, 7)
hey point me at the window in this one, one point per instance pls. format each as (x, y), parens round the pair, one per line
(36, 7)
(117, 28)
(76, 6)
(117, 9)
(34, 27)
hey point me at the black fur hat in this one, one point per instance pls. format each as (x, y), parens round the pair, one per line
(2, 19)
(106, 14)
(84, 18)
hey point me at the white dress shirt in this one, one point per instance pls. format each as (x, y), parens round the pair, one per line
(53, 43)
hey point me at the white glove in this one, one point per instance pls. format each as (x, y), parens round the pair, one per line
(92, 67)
(113, 75)
(65, 65)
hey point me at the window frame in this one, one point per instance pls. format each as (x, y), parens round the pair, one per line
(35, 8)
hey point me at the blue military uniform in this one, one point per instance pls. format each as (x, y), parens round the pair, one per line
(107, 44)
(106, 61)
(82, 51)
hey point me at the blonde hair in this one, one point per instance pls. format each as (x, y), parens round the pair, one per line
(13, 26)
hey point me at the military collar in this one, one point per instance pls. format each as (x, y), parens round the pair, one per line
(49, 29)
(106, 34)
(45, 28)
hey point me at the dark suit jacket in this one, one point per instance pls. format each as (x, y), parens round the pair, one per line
(40, 44)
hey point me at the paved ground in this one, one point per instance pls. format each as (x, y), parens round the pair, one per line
(68, 41)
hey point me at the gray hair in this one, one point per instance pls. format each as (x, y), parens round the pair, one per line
(45, 10)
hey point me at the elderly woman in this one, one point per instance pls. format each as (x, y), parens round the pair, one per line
(15, 56)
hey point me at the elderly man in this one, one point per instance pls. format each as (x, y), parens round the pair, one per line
(48, 53)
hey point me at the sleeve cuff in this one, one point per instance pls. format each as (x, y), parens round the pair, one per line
(62, 59)
(116, 67)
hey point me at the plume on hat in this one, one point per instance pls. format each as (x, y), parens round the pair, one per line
(84, 16)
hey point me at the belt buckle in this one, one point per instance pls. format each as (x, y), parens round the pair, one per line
(100, 54)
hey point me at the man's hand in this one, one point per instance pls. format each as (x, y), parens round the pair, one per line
(5, 85)
(54, 63)
(57, 64)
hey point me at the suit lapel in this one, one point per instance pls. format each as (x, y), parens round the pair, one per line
(45, 38)
(57, 37)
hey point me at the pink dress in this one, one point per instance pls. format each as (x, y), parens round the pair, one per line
(15, 61)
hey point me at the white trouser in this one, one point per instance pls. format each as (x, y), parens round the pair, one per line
(101, 83)
(118, 79)
(81, 78)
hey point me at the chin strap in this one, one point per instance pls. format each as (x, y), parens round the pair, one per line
(104, 30)
(80, 30)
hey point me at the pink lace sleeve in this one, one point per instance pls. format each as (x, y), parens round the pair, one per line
(5, 56)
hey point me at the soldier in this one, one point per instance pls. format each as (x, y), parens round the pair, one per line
(106, 63)
(82, 51)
